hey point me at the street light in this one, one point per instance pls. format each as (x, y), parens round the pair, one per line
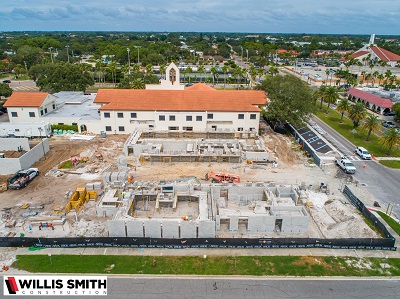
(40, 133)
(247, 51)
(51, 55)
(26, 68)
(138, 47)
(129, 62)
(67, 52)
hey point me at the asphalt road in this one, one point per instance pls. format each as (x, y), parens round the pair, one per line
(198, 287)
(381, 181)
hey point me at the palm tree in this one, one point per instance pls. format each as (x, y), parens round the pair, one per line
(321, 93)
(216, 76)
(374, 76)
(380, 77)
(113, 67)
(163, 67)
(342, 107)
(138, 83)
(357, 113)
(213, 71)
(388, 74)
(371, 124)
(315, 96)
(330, 96)
(201, 71)
(390, 138)
(224, 70)
(188, 71)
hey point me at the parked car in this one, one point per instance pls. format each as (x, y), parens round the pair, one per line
(388, 124)
(3, 109)
(6, 81)
(389, 113)
(363, 153)
(346, 165)
(22, 178)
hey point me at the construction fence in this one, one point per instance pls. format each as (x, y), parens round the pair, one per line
(350, 243)
(367, 213)
(304, 144)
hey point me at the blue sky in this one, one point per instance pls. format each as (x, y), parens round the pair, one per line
(264, 16)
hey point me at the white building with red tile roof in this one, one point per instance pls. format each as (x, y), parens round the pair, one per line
(198, 108)
(376, 52)
(29, 106)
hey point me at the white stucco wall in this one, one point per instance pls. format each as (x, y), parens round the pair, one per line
(145, 119)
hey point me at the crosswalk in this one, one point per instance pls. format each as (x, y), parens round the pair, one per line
(357, 158)
(25, 88)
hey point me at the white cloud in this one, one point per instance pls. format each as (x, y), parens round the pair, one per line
(312, 16)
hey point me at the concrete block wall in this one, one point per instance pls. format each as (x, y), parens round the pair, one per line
(12, 144)
(234, 223)
(188, 229)
(261, 224)
(134, 228)
(206, 229)
(35, 154)
(152, 228)
(9, 166)
(170, 229)
(116, 228)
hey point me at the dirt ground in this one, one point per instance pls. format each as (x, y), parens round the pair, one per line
(50, 188)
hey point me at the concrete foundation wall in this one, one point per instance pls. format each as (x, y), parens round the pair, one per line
(35, 154)
(206, 229)
(261, 224)
(234, 224)
(116, 228)
(295, 225)
(170, 229)
(134, 228)
(12, 144)
(9, 166)
(188, 229)
(152, 228)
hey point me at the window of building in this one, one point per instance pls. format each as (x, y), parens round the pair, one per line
(210, 116)
(241, 116)
(74, 124)
(60, 123)
(121, 128)
(14, 114)
(253, 116)
(189, 118)
(31, 114)
(252, 129)
(161, 117)
(120, 115)
(16, 130)
(108, 128)
(240, 129)
(106, 114)
(45, 110)
(54, 106)
(188, 128)
(172, 117)
(199, 118)
(133, 115)
(41, 112)
(173, 128)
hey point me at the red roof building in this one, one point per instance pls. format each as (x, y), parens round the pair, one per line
(373, 102)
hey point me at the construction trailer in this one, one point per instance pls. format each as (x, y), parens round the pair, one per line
(25, 129)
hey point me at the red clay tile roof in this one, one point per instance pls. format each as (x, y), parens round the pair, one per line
(371, 98)
(26, 99)
(385, 55)
(358, 54)
(181, 100)
(199, 86)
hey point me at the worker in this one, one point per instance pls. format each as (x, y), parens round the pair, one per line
(123, 194)
(40, 226)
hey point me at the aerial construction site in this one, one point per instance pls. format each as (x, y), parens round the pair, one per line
(161, 186)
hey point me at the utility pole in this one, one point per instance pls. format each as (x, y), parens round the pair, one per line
(138, 47)
(67, 52)
(51, 55)
(129, 62)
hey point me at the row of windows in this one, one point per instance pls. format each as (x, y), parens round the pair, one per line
(120, 129)
(172, 117)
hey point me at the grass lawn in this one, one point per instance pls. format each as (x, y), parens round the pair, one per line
(374, 146)
(390, 163)
(215, 265)
(392, 223)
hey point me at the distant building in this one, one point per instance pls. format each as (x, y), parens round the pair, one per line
(375, 52)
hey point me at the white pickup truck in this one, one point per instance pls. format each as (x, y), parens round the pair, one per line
(345, 164)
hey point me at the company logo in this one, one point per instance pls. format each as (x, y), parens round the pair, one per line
(55, 285)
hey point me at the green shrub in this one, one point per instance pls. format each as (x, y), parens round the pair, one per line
(64, 127)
